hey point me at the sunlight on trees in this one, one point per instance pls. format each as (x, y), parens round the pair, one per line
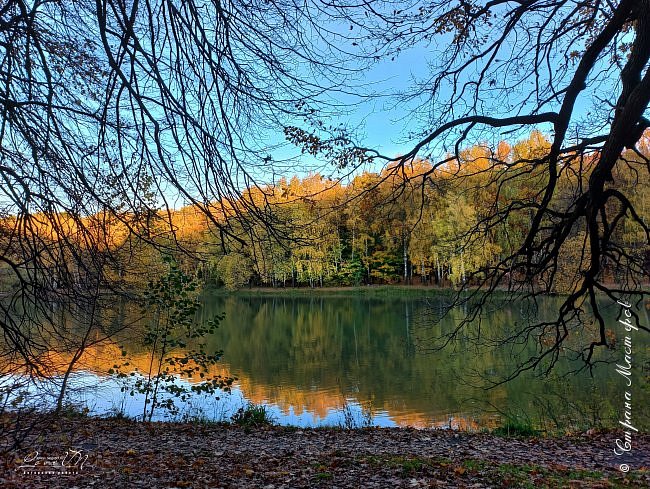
(520, 170)
(577, 72)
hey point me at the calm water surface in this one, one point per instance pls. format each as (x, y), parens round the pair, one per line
(341, 361)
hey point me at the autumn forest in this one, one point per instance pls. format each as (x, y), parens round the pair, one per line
(235, 214)
(411, 226)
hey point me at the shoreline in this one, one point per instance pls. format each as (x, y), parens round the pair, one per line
(383, 291)
(370, 291)
(133, 454)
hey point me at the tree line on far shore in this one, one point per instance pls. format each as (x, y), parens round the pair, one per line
(398, 227)
(414, 226)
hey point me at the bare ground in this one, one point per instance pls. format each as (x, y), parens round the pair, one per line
(125, 454)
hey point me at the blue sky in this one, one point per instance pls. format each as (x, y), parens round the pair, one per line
(380, 123)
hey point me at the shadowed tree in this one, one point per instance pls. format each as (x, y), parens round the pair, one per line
(113, 112)
(575, 71)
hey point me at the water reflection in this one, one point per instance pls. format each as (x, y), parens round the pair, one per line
(340, 360)
(312, 353)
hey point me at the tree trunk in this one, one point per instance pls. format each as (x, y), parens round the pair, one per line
(405, 259)
(462, 267)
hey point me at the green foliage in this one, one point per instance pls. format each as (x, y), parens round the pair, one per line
(235, 270)
(388, 230)
(515, 427)
(411, 466)
(385, 266)
(171, 304)
(253, 416)
(351, 273)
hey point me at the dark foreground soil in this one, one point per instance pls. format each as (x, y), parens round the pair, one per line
(125, 454)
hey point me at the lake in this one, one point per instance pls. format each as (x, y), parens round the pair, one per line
(319, 360)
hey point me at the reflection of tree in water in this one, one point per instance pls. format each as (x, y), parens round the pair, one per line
(367, 349)
(313, 354)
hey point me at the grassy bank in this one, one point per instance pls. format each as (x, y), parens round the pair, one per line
(379, 291)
